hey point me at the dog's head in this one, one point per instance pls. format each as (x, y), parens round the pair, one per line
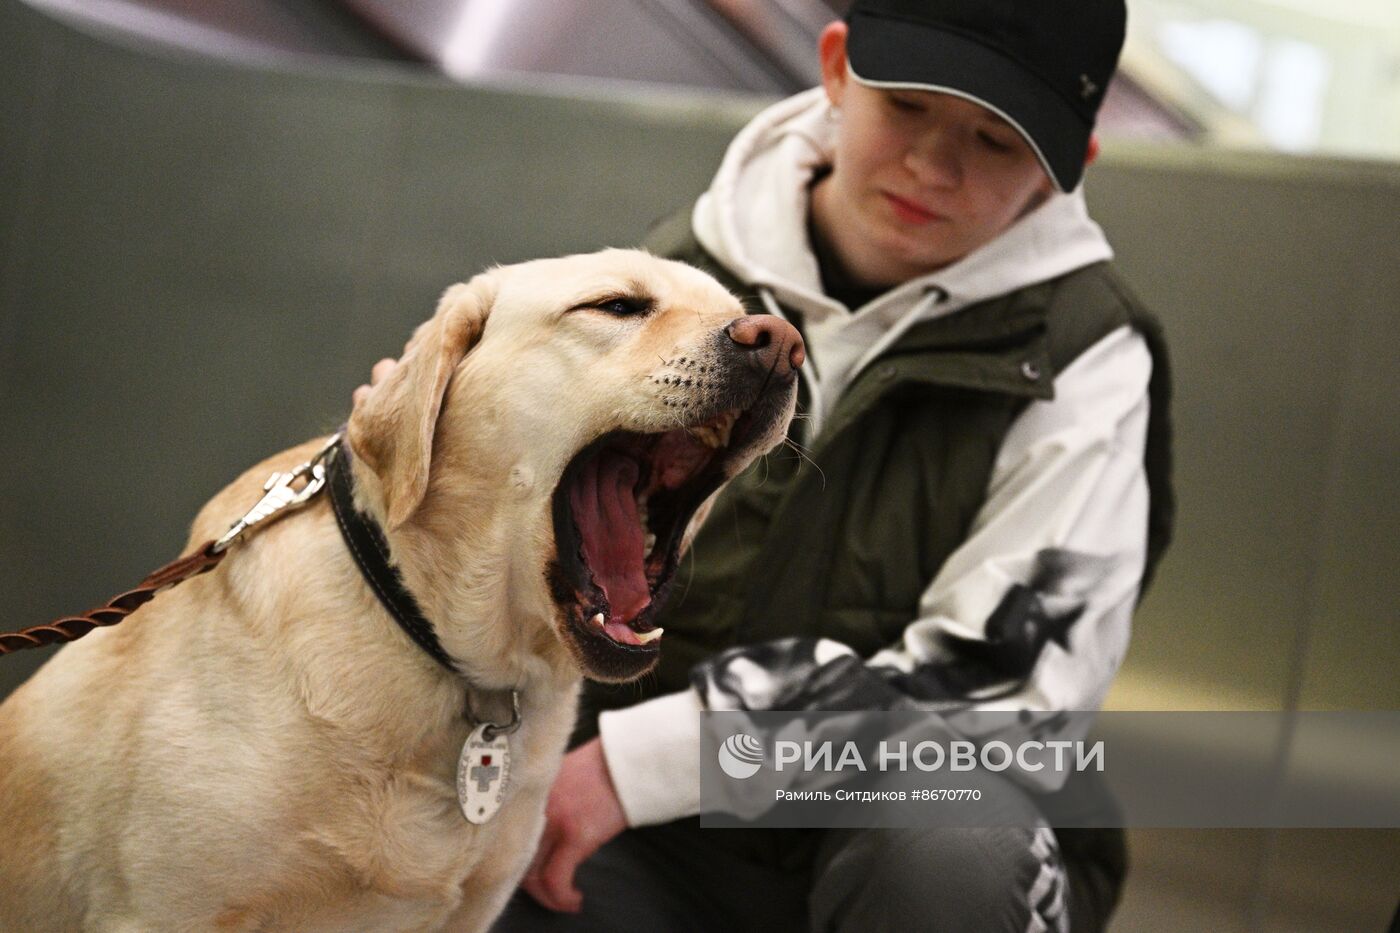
(580, 411)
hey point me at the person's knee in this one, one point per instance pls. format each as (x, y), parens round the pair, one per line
(949, 879)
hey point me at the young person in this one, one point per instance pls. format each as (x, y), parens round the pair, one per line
(984, 405)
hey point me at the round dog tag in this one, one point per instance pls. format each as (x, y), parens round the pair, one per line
(482, 772)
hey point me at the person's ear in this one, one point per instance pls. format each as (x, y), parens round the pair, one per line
(831, 48)
(1091, 153)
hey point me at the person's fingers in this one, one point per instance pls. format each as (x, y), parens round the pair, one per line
(546, 845)
(531, 882)
(377, 374)
(556, 877)
(535, 888)
(381, 370)
(581, 814)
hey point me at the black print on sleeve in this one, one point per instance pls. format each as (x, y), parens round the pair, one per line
(786, 674)
(1029, 617)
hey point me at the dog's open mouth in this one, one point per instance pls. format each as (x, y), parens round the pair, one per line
(620, 515)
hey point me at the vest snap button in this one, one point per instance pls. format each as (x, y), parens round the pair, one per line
(1030, 370)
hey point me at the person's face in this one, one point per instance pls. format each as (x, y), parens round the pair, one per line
(919, 179)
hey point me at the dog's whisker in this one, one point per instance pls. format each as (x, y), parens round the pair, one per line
(764, 481)
(803, 455)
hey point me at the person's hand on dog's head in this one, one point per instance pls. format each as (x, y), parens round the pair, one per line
(377, 375)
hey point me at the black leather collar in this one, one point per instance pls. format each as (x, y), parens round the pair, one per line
(366, 543)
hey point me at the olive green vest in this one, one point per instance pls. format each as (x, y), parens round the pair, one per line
(842, 539)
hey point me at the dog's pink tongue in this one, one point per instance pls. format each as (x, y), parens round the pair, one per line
(607, 518)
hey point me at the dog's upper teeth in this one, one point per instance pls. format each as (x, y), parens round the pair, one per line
(647, 638)
(716, 433)
(724, 428)
(598, 620)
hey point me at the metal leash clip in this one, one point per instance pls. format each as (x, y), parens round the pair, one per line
(280, 494)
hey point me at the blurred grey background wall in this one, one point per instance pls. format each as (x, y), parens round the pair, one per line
(199, 260)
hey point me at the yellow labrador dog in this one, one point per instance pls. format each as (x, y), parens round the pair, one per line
(264, 748)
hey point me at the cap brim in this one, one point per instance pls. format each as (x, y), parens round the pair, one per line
(893, 53)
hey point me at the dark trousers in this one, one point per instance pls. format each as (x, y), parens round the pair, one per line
(679, 877)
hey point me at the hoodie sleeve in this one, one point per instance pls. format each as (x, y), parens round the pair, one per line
(1033, 611)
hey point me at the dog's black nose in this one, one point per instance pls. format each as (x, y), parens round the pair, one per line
(772, 343)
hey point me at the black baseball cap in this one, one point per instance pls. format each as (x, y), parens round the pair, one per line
(1042, 65)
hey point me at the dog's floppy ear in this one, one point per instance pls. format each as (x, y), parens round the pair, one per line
(392, 429)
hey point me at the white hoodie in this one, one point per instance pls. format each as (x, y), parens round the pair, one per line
(1068, 479)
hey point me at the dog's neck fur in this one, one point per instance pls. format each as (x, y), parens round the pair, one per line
(492, 617)
(356, 674)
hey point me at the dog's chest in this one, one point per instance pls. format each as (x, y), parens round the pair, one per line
(403, 843)
(410, 832)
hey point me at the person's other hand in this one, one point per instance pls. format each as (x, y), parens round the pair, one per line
(377, 375)
(582, 813)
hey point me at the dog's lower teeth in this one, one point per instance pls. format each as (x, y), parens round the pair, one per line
(598, 620)
(647, 638)
(648, 545)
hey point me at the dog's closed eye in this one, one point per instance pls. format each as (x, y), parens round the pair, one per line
(619, 305)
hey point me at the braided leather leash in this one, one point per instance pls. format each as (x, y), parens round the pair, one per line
(71, 628)
(281, 495)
